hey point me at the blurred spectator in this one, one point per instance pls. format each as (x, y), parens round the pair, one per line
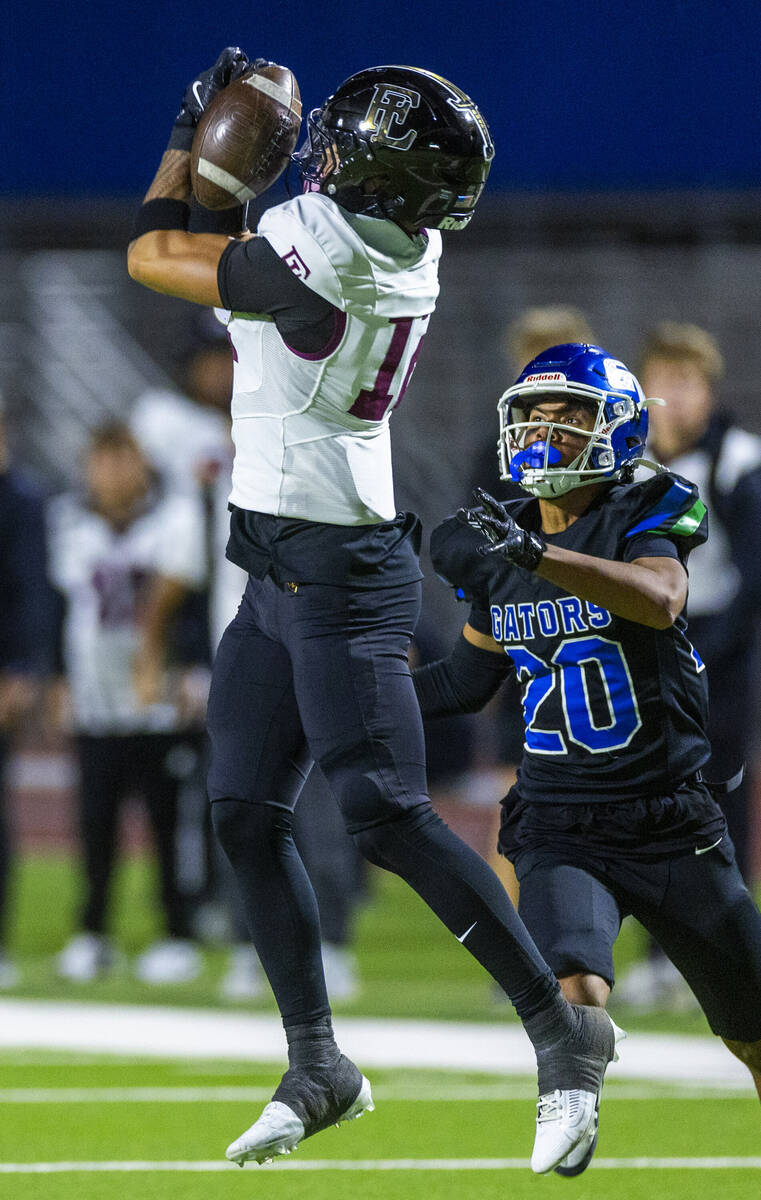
(124, 554)
(26, 637)
(186, 435)
(683, 365)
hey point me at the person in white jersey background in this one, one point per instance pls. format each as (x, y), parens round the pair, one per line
(329, 306)
(124, 555)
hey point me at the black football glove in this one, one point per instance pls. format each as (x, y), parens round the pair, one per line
(503, 534)
(231, 64)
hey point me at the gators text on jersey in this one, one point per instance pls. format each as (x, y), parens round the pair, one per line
(612, 708)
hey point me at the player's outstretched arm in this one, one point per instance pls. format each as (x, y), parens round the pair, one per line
(466, 680)
(163, 255)
(171, 260)
(650, 591)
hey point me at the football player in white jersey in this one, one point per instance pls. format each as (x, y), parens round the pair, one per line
(123, 556)
(330, 305)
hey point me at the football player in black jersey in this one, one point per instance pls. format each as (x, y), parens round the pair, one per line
(580, 589)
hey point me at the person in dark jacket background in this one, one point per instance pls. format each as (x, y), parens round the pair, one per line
(698, 438)
(26, 638)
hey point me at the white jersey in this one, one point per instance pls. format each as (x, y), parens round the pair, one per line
(102, 574)
(714, 578)
(311, 431)
(228, 581)
(181, 439)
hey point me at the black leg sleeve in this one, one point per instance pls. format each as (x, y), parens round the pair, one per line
(467, 896)
(279, 903)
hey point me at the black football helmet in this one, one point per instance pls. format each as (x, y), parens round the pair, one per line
(421, 141)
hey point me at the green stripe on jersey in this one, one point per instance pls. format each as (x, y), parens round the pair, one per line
(691, 520)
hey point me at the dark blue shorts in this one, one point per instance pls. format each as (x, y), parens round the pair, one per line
(696, 906)
(316, 672)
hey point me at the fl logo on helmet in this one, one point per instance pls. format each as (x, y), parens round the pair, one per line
(387, 112)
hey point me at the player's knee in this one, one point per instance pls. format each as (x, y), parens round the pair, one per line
(372, 794)
(241, 826)
(388, 844)
(369, 844)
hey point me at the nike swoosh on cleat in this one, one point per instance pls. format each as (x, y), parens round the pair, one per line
(705, 849)
(467, 931)
(196, 92)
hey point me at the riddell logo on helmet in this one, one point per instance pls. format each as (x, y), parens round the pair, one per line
(546, 377)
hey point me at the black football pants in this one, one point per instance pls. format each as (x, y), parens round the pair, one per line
(319, 672)
(111, 769)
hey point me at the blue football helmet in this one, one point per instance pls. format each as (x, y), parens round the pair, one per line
(615, 441)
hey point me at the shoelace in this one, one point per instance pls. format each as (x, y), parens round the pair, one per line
(550, 1106)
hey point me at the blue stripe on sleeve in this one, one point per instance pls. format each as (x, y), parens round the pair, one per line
(669, 505)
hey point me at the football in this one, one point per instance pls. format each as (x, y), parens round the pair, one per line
(245, 137)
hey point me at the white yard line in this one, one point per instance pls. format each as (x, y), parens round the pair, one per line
(382, 1164)
(443, 1045)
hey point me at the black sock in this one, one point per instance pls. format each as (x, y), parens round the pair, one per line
(312, 1044)
(573, 1046)
(552, 1024)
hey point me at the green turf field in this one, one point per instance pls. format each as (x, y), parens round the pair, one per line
(409, 965)
(432, 1118)
(168, 1123)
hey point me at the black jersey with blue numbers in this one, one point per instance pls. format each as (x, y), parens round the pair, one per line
(613, 709)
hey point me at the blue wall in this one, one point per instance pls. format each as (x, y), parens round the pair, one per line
(586, 95)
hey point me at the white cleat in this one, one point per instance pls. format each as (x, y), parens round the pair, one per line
(279, 1131)
(244, 979)
(566, 1126)
(85, 957)
(175, 960)
(563, 1120)
(582, 1154)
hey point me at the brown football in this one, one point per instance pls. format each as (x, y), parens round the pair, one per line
(245, 137)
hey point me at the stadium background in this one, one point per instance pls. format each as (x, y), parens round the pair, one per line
(626, 182)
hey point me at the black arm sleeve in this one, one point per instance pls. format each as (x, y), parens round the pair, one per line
(219, 220)
(252, 278)
(462, 683)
